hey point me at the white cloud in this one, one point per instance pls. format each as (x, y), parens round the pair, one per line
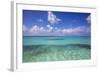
(52, 18)
(25, 28)
(57, 30)
(40, 20)
(50, 28)
(67, 31)
(41, 28)
(88, 19)
(77, 30)
(37, 29)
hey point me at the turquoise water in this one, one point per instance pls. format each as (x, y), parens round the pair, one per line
(61, 40)
(56, 48)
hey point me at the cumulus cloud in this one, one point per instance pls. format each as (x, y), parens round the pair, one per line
(50, 28)
(88, 19)
(39, 29)
(36, 29)
(52, 18)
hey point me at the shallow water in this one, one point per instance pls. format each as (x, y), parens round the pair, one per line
(37, 49)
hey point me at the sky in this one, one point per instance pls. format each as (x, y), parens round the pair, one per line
(56, 23)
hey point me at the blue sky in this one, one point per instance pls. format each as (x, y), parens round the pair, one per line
(51, 23)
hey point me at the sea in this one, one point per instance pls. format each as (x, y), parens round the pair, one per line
(56, 48)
